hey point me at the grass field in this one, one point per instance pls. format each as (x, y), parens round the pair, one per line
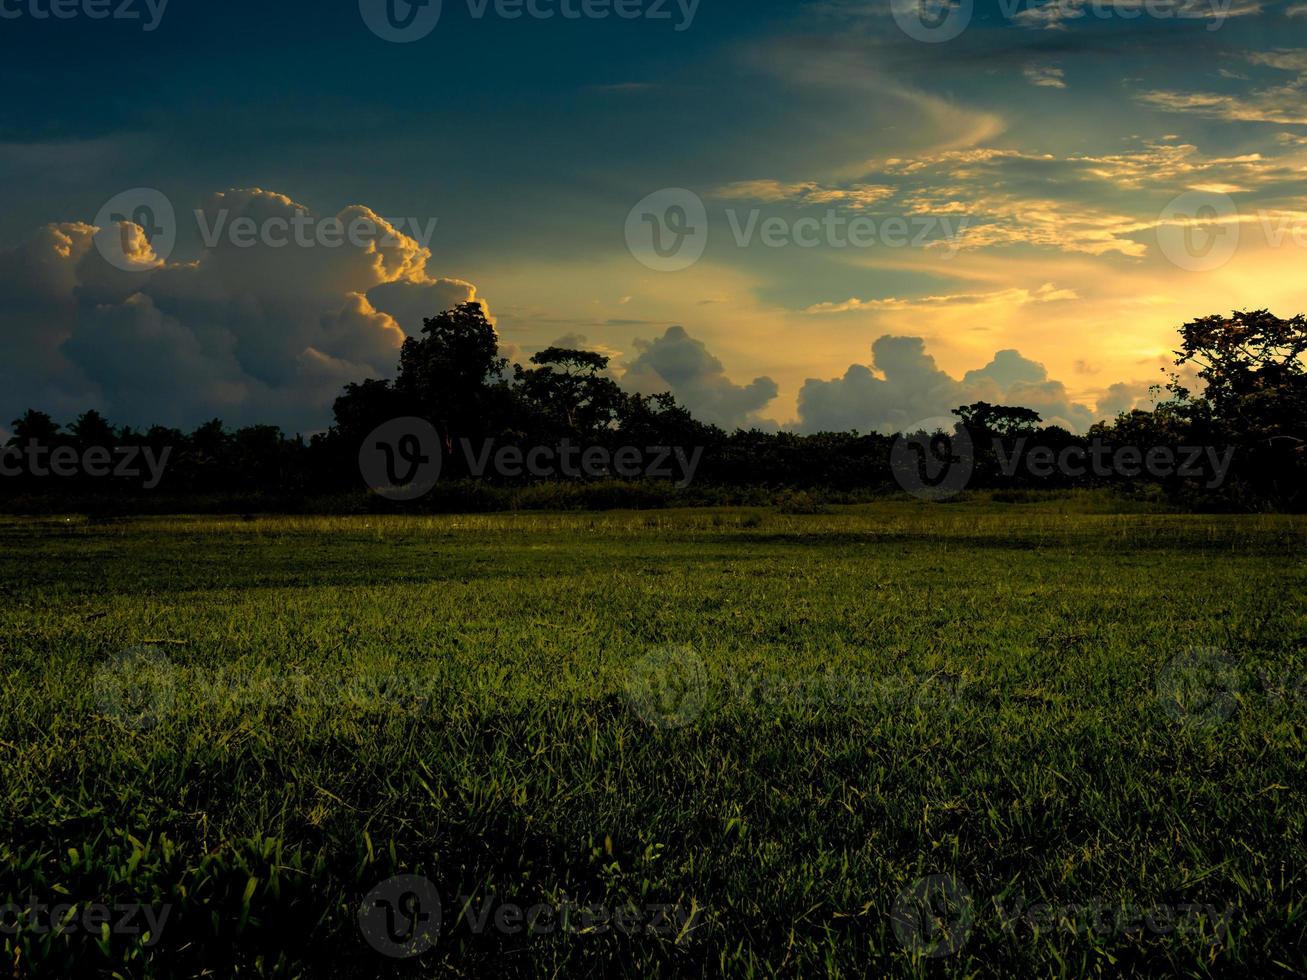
(684, 743)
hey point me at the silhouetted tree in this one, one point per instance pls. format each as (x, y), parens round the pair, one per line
(453, 375)
(571, 388)
(34, 425)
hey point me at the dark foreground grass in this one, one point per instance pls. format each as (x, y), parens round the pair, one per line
(686, 744)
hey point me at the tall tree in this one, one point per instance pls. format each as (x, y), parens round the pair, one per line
(570, 386)
(453, 374)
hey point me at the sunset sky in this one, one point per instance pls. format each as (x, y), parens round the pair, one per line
(1038, 152)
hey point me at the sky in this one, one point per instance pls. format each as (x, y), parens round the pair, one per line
(834, 214)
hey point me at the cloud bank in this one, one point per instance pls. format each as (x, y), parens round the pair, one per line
(903, 385)
(263, 334)
(249, 334)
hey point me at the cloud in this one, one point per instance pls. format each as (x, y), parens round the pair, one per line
(250, 334)
(1055, 14)
(1090, 204)
(573, 341)
(678, 363)
(1047, 293)
(855, 196)
(1125, 396)
(903, 386)
(1281, 103)
(1045, 76)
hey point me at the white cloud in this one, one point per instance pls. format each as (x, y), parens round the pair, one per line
(251, 334)
(678, 363)
(904, 386)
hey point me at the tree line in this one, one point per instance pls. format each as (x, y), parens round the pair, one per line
(1248, 422)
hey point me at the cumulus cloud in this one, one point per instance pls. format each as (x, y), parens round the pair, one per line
(678, 363)
(1125, 396)
(903, 386)
(250, 332)
(579, 341)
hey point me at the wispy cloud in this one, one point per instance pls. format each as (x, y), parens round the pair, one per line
(1285, 104)
(1056, 14)
(805, 193)
(1046, 76)
(1047, 293)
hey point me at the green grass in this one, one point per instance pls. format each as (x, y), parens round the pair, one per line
(775, 723)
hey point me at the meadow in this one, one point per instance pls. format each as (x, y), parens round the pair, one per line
(1059, 737)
